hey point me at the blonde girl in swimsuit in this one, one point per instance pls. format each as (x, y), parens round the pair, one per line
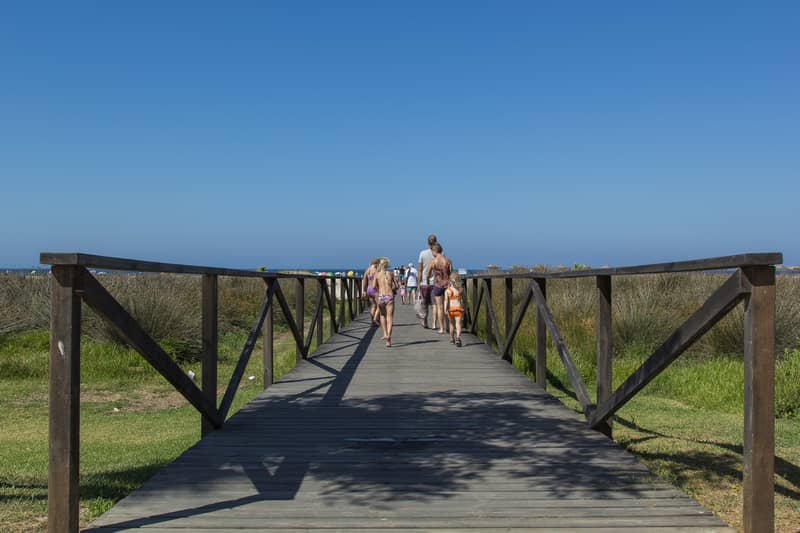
(454, 307)
(441, 268)
(386, 284)
(368, 288)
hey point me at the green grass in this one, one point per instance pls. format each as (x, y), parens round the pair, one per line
(132, 421)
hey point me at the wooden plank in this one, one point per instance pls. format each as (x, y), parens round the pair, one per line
(477, 306)
(604, 346)
(711, 312)
(64, 418)
(320, 303)
(209, 345)
(247, 350)
(574, 375)
(759, 400)
(508, 301)
(268, 342)
(505, 351)
(96, 297)
(727, 262)
(287, 314)
(300, 318)
(330, 296)
(315, 325)
(492, 329)
(541, 338)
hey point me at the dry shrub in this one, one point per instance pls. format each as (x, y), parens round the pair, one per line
(24, 302)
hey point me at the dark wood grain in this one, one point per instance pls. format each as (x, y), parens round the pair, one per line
(102, 303)
(478, 292)
(578, 386)
(65, 379)
(759, 400)
(268, 341)
(505, 351)
(300, 317)
(541, 337)
(716, 307)
(247, 350)
(727, 262)
(604, 345)
(209, 341)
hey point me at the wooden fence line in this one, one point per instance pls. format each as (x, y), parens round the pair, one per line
(72, 283)
(752, 281)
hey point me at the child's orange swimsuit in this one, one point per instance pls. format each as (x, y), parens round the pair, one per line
(454, 298)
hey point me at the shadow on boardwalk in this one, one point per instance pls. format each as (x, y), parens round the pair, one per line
(343, 432)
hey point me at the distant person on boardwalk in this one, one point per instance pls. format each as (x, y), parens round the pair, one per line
(402, 281)
(425, 284)
(439, 271)
(454, 308)
(411, 283)
(368, 287)
(386, 284)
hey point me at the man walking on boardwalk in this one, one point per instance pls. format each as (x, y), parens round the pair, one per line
(426, 284)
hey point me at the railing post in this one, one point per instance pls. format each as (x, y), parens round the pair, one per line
(475, 283)
(488, 302)
(604, 345)
(320, 315)
(267, 349)
(333, 306)
(350, 299)
(508, 299)
(541, 339)
(64, 447)
(299, 309)
(759, 400)
(342, 301)
(210, 341)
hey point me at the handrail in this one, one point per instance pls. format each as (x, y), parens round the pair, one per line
(725, 262)
(752, 282)
(137, 265)
(73, 284)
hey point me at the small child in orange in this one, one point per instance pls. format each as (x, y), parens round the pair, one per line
(454, 308)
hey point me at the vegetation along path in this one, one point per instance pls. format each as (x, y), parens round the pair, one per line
(420, 436)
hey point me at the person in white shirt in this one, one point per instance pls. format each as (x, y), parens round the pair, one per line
(411, 283)
(426, 285)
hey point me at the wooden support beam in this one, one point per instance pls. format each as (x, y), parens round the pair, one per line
(320, 326)
(604, 346)
(711, 312)
(505, 351)
(541, 337)
(330, 294)
(247, 350)
(759, 400)
(209, 343)
(96, 297)
(508, 301)
(578, 386)
(65, 378)
(477, 305)
(487, 289)
(315, 325)
(299, 309)
(268, 339)
(287, 313)
(342, 301)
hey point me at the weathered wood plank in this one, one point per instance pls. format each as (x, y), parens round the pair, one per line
(541, 337)
(247, 350)
(96, 297)
(64, 406)
(759, 400)
(209, 344)
(578, 386)
(711, 312)
(604, 346)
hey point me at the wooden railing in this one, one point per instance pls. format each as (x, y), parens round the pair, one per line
(73, 283)
(752, 281)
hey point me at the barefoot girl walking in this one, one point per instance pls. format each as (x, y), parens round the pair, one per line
(387, 286)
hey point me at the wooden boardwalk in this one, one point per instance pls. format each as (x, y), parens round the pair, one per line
(420, 437)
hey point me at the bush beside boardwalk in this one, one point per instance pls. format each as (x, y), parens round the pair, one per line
(686, 424)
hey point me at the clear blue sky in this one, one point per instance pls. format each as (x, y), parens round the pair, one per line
(320, 134)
